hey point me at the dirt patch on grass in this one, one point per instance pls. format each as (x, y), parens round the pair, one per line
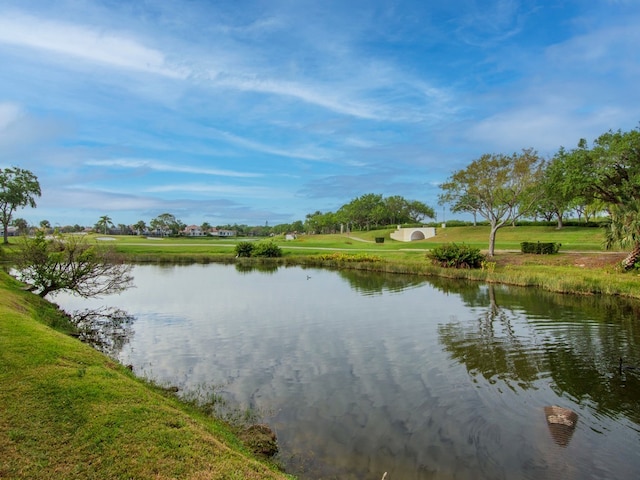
(588, 260)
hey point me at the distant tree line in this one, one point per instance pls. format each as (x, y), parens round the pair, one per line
(367, 212)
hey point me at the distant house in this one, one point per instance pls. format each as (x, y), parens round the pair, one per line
(193, 231)
(226, 233)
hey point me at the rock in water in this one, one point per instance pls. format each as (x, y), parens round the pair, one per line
(562, 423)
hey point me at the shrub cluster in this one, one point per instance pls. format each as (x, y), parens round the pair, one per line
(540, 248)
(267, 248)
(244, 249)
(452, 255)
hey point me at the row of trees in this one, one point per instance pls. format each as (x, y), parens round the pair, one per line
(164, 224)
(369, 211)
(588, 179)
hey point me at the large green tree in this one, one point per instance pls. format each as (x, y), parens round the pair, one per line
(319, 222)
(613, 168)
(140, 227)
(166, 223)
(559, 186)
(18, 188)
(502, 188)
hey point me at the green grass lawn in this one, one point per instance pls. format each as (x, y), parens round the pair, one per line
(507, 238)
(67, 411)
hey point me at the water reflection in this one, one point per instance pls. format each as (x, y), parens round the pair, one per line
(105, 329)
(242, 267)
(575, 341)
(439, 380)
(376, 283)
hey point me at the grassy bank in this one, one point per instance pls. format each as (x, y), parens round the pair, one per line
(67, 411)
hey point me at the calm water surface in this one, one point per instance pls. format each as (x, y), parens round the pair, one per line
(361, 374)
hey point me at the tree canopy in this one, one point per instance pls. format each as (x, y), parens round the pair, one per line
(18, 188)
(103, 224)
(501, 188)
(368, 211)
(166, 223)
(613, 166)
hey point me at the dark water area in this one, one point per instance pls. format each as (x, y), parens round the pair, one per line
(361, 374)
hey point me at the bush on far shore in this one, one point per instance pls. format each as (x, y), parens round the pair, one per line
(264, 248)
(452, 255)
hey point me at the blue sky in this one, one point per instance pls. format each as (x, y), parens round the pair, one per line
(263, 111)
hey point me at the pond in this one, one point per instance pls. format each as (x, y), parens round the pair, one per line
(361, 374)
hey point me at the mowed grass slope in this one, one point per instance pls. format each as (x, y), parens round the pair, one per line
(69, 412)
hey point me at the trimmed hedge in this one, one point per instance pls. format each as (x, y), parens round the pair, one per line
(540, 248)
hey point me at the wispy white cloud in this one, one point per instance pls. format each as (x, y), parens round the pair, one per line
(286, 88)
(82, 42)
(310, 153)
(485, 25)
(343, 93)
(135, 163)
(221, 190)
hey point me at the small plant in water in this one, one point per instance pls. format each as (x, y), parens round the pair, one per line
(210, 400)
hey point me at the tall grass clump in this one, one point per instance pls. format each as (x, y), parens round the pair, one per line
(349, 258)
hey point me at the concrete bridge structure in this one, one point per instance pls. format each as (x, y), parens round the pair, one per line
(413, 233)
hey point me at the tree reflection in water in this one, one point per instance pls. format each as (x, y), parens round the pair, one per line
(106, 329)
(375, 283)
(579, 357)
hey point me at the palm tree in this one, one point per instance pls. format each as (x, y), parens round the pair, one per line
(104, 223)
(140, 227)
(624, 230)
(206, 228)
(22, 225)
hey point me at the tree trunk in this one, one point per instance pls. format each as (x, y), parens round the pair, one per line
(492, 240)
(559, 222)
(630, 260)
